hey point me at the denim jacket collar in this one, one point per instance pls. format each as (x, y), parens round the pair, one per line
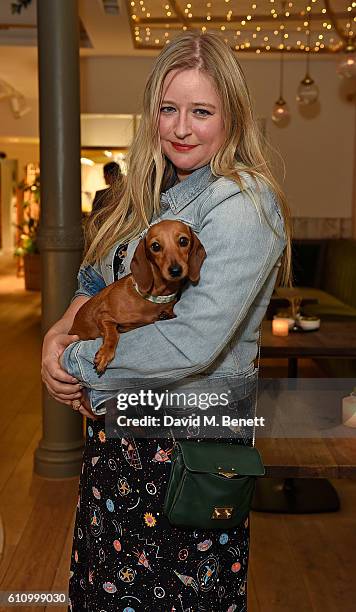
(181, 194)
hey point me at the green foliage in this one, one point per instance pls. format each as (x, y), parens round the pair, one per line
(30, 225)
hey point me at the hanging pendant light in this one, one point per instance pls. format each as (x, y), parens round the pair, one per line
(308, 91)
(280, 109)
(347, 67)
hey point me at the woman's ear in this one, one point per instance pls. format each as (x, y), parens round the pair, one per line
(196, 257)
(141, 267)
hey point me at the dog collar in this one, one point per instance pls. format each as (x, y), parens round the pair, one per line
(156, 299)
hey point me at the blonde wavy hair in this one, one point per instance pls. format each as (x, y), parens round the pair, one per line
(137, 196)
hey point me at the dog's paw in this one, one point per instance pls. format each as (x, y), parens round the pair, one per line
(102, 358)
(100, 361)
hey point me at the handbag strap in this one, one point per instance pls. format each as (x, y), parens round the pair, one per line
(256, 395)
(258, 377)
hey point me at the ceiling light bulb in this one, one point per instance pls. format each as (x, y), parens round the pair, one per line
(307, 92)
(280, 111)
(85, 161)
(347, 67)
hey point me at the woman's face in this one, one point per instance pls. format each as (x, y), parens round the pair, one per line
(191, 115)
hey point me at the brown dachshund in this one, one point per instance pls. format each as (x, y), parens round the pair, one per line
(169, 254)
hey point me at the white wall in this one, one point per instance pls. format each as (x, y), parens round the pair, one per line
(26, 127)
(19, 137)
(318, 148)
(318, 151)
(98, 130)
(113, 84)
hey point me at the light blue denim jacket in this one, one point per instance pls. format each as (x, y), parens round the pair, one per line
(217, 324)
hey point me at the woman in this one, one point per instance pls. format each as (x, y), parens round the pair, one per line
(196, 158)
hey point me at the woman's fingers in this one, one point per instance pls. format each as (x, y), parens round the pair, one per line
(55, 386)
(58, 382)
(61, 401)
(68, 402)
(85, 407)
(62, 390)
(65, 398)
(51, 369)
(60, 385)
(53, 347)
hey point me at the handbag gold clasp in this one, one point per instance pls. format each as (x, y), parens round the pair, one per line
(222, 513)
(228, 474)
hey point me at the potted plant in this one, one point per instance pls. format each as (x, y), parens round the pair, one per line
(28, 219)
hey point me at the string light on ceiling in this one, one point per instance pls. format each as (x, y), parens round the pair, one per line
(334, 24)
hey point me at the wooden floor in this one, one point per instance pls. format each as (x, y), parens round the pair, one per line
(297, 563)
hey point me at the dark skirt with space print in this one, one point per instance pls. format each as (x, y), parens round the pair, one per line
(126, 555)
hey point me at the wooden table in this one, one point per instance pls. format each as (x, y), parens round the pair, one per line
(297, 469)
(333, 339)
(309, 457)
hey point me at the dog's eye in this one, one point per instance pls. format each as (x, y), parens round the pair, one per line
(183, 241)
(155, 247)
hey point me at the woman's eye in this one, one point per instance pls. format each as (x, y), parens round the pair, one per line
(202, 112)
(183, 241)
(155, 246)
(167, 109)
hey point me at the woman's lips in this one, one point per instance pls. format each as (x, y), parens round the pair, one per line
(180, 147)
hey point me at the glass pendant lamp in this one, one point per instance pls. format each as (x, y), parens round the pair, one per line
(280, 110)
(347, 67)
(308, 91)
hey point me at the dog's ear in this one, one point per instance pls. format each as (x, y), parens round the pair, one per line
(196, 257)
(141, 267)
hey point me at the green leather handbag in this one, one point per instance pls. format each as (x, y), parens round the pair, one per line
(211, 484)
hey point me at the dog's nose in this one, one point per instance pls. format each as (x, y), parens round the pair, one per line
(175, 270)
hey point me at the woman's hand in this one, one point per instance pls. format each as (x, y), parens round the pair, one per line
(60, 385)
(83, 406)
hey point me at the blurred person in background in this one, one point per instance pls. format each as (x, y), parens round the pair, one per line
(112, 173)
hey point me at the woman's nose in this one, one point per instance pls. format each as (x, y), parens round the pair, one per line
(182, 127)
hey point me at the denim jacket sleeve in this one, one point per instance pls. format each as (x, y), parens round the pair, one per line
(90, 281)
(242, 248)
